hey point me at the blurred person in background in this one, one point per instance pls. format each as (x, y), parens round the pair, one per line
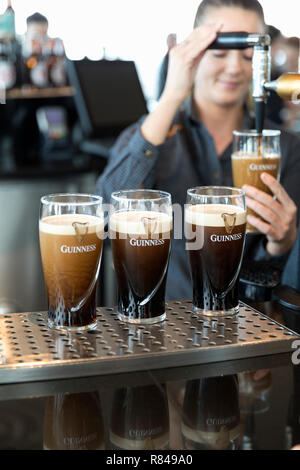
(37, 27)
(275, 103)
(187, 140)
(43, 66)
(291, 273)
(291, 51)
(284, 59)
(290, 113)
(25, 135)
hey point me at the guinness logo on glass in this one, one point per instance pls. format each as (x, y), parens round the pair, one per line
(140, 242)
(77, 249)
(226, 238)
(229, 221)
(81, 229)
(265, 167)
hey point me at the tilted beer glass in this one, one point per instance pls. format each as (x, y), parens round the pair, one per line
(140, 228)
(254, 154)
(71, 238)
(215, 226)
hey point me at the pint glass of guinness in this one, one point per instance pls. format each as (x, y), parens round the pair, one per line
(71, 237)
(215, 226)
(254, 154)
(140, 228)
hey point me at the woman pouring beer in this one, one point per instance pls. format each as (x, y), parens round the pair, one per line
(187, 140)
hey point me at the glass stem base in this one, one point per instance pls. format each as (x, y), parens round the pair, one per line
(90, 326)
(216, 313)
(141, 321)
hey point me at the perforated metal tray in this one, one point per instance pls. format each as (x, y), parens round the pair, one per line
(30, 351)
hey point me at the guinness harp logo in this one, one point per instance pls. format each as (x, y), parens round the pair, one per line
(81, 229)
(150, 225)
(229, 221)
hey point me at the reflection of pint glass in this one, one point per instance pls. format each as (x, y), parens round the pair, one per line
(254, 154)
(211, 414)
(140, 230)
(71, 238)
(215, 225)
(73, 421)
(140, 418)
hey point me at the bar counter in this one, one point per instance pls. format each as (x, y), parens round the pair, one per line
(243, 403)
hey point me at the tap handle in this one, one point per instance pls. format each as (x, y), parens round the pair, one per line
(237, 40)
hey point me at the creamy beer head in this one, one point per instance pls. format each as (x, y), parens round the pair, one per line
(215, 215)
(72, 224)
(141, 223)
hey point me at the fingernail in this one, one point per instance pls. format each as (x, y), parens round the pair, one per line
(265, 176)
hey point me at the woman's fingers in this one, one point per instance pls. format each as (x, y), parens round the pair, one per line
(267, 212)
(279, 211)
(276, 218)
(264, 227)
(277, 189)
(199, 40)
(184, 60)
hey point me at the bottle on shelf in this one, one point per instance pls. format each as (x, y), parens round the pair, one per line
(35, 64)
(9, 21)
(9, 10)
(56, 63)
(8, 70)
(9, 50)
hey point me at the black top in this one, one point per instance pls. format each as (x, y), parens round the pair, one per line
(291, 274)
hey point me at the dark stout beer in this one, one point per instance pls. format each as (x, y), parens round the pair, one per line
(216, 234)
(71, 247)
(141, 247)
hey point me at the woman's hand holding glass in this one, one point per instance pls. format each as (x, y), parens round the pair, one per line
(278, 216)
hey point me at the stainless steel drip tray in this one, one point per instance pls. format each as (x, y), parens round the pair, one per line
(30, 351)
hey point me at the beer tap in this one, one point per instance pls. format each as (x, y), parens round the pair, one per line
(287, 85)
